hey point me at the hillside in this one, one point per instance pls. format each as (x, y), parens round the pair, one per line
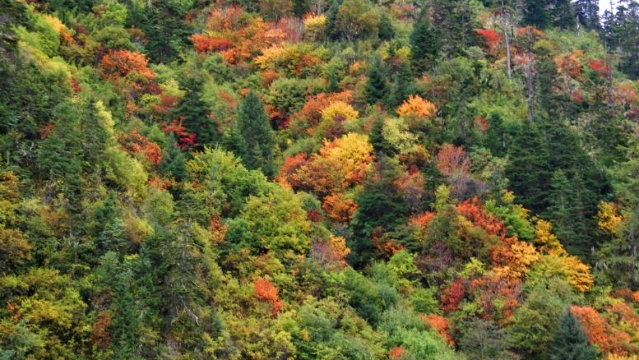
(302, 179)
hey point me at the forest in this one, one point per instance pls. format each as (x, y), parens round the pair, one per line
(319, 179)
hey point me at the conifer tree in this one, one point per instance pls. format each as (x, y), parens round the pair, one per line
(376, 88)
(256, 138)
(423, 44)
(570, 341)
(196, 115)
(402, 87)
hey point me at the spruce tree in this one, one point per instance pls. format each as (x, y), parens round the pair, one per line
(195, 113)
(570, 341)
(402, 87)
(423, 44)
(376, 89)
(256, 138)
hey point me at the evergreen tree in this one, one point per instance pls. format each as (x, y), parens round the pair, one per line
(423, 44)
(381, 207)
(257, 141)
(376, 89)
(386, 29)
(570, 341)
(173, 162)
(402, 87)
(587, 12)
(528, 169)
(196, 117)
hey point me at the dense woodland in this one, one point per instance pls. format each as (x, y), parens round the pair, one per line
(313, 179)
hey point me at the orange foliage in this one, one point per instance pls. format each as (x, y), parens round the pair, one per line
(569, 64)
(134, 143)
(204, 43)
(268, 77)
(452, 161)
(417, 106)
(440, 324)
(624, 94)
(422, 220)
(289, 168)
(339, 208)
(120, 63)
(266, 291)
(311, 113)
(491, 37)
(609, 340)
(217, 228)
(411, 185)
(331, 252)
(498, 297)
(160, 183)
(396, 353)
(473, 210)
(100, 335)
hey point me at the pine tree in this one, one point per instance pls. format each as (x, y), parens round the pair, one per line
(423, 44)
(386, 29)
(173, 162)
(376, 88)
(570, 341)
(256, 138)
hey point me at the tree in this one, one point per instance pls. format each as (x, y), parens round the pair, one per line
(257, 139)
(423, 44)
(376, 88)
(357, 18)
(402, 87)
(196, 115)
(570, 341)
(588, 14)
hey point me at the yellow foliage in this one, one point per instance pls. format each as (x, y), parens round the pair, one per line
(621, 357)
(608, 217)
(546, 241)
(138, 229)
(341, 110)
(523, 256)
(569, 268)
(415, 105)
(55, 23)
(314, 22)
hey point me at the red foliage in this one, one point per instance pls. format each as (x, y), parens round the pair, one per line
(291, 165)
(45, 130)
(491, 37)
(609, 340)
(266, 291)
(185, 140)
(490, 290)
(204, 43)
(452, 161)
(599, 66)
(135, 143)
(440, 324)
(75, 86)
(453, 295)
(159, 183)
(473, 210)
(311, 113)
(338, 208)
(100, 335)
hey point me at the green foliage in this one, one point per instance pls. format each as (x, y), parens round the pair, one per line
(570, 341)
(256, 139)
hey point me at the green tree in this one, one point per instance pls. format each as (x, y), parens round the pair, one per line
(257, 138)
(402, 86)
(376, 89)
(423, 44)
(570, 341)
(196, 115)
